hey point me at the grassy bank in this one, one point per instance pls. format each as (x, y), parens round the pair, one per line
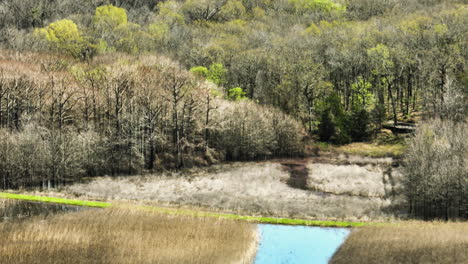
(183, 212)
(116, 235)
(255, 219)
(371, 150)
(34, 198)
(406, 242)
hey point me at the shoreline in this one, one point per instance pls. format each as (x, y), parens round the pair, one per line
(174, 211)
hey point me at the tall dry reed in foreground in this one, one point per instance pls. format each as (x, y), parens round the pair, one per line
(125, 236)
(410, 242)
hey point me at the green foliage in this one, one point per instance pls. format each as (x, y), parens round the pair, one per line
(217, 74)
(128, 36)
(363, 98)
(234, 9)
(317, 5)
(362, 101)
(408, 58)
(379, 114)
(173, 211)
(380, 56)
(326, 129)
(44, 199)
(200, 71)
(341, 127)
(365, 149)
(334, 121)
(114, 32)
(110, 16)
(322, 27)
(358, 125)
(159, 31)
(236, 94)
(94, 75)
(102, 46)
(63, 36)
(168, 13)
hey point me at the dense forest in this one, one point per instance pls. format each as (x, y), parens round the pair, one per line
(115, 87)
(134, 114)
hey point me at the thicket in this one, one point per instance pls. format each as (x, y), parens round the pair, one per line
(382, 60)
(342, 68)
(436, 170)
(61, 120)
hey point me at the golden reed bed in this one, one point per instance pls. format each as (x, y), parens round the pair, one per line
(126, 236)
(406, 242)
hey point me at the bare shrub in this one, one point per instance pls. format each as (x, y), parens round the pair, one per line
(436, 170)
(250, 131)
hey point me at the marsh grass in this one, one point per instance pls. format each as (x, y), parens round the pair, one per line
(20, 198)
(256, 189)
(367, 181)
(406, 242)
(254, 219)
(126, 236)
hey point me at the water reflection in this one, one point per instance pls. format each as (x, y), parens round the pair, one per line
(298, 244)
(14, 209)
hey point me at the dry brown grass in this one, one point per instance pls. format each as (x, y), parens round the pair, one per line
(126, 236)
(366, 181)
(346, 179)
(243, 188)
(409, 242)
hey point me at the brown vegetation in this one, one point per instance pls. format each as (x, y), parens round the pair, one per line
(371, 180)
(61, 120)
(298, 173)
(436, 170)
(126, 236)
(245, 188)
(409, 242)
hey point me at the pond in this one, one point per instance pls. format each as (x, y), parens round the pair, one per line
(278, 243)
(15, 209)
(298, 244)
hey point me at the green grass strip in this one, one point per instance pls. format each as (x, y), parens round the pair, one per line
(184, 212)
(255, 219)
(44, 199)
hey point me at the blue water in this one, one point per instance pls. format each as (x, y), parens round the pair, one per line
(298, 244)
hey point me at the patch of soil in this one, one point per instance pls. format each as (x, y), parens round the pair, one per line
(298, 173)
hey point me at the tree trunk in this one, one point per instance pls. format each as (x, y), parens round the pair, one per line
(390, 94)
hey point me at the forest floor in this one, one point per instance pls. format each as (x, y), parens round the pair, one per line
(124, 235)
(333, 187)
